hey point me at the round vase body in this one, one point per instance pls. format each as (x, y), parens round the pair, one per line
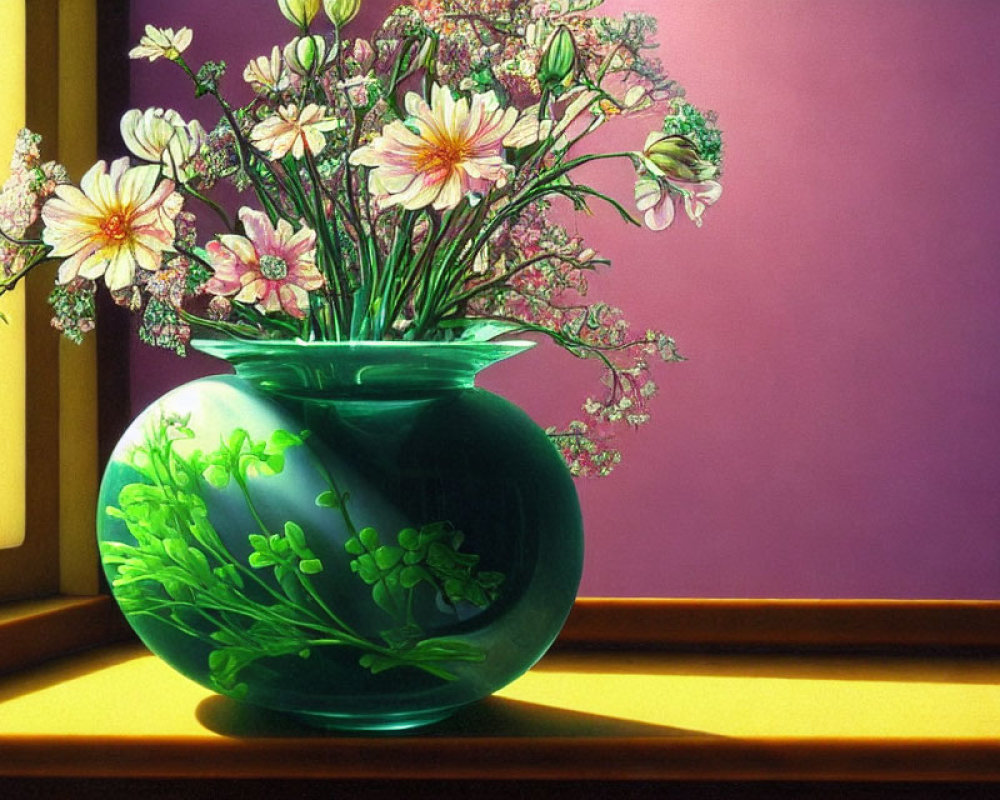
(351, 533)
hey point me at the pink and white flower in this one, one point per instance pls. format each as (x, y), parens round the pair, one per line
(443, 152)
(293, 131)
(273, 267)
(658, 200)
(162, 135)
(528, 129)
(120, 220)
(698, 196)
(267, 73)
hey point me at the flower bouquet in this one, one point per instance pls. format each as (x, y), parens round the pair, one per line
(399, 187)
(349, 530)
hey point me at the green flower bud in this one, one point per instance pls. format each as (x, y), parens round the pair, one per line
(677, 157)
(558, 63)
(306, 55)
(341, 12)
(426, 58)
(299, 12)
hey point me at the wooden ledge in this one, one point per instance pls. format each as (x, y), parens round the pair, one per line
(33, 631)
(784, 624)
(648, 690)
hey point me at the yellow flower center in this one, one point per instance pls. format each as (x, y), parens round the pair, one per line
(443, 155)
(609, 108)
(115, 227)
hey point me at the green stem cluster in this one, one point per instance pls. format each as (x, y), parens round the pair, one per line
(381, 280)
(180, 572)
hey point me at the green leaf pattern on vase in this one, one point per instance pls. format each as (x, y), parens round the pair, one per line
(180, 571)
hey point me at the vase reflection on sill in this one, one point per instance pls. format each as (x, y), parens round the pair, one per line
(351, 533)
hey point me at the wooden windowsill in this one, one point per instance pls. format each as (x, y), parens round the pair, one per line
(646, 692)
(678, 623)
(580, 715)
(33, 631)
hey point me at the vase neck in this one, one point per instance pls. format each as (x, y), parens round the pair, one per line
(357, 369)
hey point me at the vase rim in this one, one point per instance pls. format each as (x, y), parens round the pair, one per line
(299, 368)
(219, 346)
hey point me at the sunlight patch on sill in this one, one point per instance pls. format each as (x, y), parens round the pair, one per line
(749, 706)
(26, 609)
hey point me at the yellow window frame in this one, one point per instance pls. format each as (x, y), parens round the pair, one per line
(12, 395)
(48, 420)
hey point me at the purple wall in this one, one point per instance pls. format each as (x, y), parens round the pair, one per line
(835, 432)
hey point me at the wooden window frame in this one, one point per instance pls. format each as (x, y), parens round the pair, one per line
(58, 552)
(50, 587)
(12, 333)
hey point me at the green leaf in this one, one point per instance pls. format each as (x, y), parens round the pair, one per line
(472, 592)
(178, 591)
(327, 499)
(382, 597)
(354, 546)
(485, 330)
(177, 550)
(258, 560)
(272, 464)
(199, 565)
(247, 465)
(279, 545)
(258, 542)
(217, 475)
(366, 568)
(289, 582)
(369, 538)
(238, 691)
(224, 637)
(409, 538)
(229, 574)
(387, 557)
(311, 566)
(440, 555)
(140, 493)
(236, 440)
(202, 531)
(281, 440)
(297, 539)
(453, 588)
(217, 660)
(411, 576)
(403, 638)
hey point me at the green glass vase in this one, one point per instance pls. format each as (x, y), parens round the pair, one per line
(351, 533)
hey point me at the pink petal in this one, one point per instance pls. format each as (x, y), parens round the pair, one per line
(70, 268)
(450, 194)
(89, 179)
(252, 289)
(661, 215)
(259, 230)
(293, 299)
